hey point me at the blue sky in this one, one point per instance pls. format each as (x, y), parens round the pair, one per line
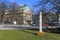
(30, 3)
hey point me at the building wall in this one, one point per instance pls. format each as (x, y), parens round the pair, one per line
(20, 18)
(46, 18)
(23, 16)
(13, 17)
(36, 19)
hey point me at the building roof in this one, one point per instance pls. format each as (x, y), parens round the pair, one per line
(25, 7)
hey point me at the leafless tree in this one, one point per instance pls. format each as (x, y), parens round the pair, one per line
(53, 5)
(3, 6)
(48, 6)
(14, 7)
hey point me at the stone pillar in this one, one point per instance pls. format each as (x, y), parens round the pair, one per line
(40, 25)
(40, 22)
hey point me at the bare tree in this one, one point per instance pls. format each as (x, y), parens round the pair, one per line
(14, 7)
(49, 5)
(3, 7)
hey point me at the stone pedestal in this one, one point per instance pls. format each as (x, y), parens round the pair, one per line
(40, 33)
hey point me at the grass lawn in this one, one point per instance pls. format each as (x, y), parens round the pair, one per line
(26, 35)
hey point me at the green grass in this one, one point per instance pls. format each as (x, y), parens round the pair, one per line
(26, 35)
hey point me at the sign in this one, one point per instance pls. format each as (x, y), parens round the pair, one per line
(14, 22)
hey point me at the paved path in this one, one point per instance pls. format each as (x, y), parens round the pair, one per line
(16, 27)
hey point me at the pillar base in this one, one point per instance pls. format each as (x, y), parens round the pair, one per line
(40, 33)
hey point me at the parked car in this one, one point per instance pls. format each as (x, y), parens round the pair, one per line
(34, 25)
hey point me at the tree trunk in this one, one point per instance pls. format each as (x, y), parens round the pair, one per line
(2, 17)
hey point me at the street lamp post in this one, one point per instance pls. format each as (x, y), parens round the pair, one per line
(40, 25)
